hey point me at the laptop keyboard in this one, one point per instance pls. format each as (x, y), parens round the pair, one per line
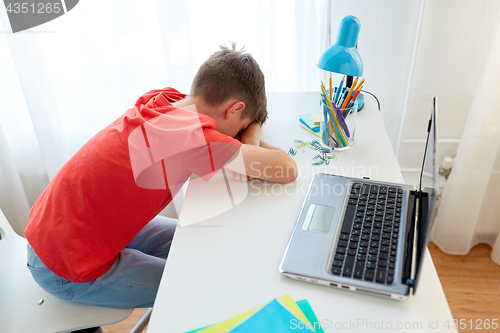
(368, 240)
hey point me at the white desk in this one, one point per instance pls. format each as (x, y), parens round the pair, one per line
(229, 264)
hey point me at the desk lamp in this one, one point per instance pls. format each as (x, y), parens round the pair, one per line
(343, 57)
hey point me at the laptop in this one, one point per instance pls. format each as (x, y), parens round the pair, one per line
(363, 235)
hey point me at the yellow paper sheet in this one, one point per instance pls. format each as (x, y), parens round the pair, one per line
(290, 304)
(230, 323)
(307, 129)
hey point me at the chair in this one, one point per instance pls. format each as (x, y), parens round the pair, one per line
(26, 308)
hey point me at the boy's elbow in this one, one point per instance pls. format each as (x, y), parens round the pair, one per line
(294, 172)
(291, 172)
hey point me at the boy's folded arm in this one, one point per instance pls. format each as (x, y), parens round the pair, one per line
(265, 162)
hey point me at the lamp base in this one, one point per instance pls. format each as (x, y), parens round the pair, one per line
(361, 101)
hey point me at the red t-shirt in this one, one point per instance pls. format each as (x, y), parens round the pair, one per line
(120, 180)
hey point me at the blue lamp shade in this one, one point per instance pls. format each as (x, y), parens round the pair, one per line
(343, 57)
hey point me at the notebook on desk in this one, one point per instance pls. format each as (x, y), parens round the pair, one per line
(363, 235)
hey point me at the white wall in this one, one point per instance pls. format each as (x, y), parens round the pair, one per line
(454, 41)
(456, 37)
(386, 44)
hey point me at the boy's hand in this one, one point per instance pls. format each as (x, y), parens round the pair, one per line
(265, 162)
(250, 136)
(261, 160)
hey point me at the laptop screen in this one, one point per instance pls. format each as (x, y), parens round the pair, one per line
(428, 174)
(428, 187)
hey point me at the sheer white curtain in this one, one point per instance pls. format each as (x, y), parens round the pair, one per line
(456, 60)
(62, 82)
(469, 212)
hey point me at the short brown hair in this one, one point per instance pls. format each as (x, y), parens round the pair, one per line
(231, 73)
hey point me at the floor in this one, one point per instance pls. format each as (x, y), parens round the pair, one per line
(126, 325)
(471, 284)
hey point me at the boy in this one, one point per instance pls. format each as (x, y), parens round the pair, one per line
(94, 234)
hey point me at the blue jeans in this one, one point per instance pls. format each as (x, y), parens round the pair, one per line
(132, 281)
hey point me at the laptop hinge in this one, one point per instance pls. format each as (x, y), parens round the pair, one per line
(410, 243)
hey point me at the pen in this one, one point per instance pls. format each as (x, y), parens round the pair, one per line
(337, 94)
(341, 99)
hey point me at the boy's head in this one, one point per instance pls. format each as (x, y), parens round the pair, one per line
(232, 74)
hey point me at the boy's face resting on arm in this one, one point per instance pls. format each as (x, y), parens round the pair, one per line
(233, 126)
(259, 160)
(229, 87)
(227, 116)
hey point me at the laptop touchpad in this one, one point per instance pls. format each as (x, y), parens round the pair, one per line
(318, 218)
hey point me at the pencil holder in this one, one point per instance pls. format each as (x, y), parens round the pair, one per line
(337, 125)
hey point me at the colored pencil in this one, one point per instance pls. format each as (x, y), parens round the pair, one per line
(355, 95)
(349, 95)
(340, 116)
(342, 137)
(330, 124)
(358, 88)
(335, 105)
(333, 129)
(351, 102)
(339, 119)
(327, 125)
(338, 132)
(331, 91)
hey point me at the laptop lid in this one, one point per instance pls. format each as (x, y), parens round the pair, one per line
(427, 196)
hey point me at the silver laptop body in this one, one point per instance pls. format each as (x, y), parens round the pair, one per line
(322, 237)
